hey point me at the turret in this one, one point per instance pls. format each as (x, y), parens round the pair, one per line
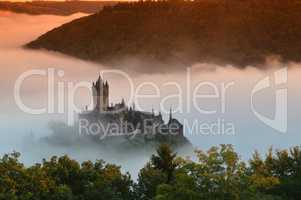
(170, 114)
(100, 94)
(160, 115)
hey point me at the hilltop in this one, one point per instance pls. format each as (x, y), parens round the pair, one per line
(54, 7)
(183, 32)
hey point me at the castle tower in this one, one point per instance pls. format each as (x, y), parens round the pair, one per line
(100, 92)
(170, 114)
(106, 95)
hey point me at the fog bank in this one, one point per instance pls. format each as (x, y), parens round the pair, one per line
(22, 132)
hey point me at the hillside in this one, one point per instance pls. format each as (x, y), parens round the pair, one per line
(63, 135)
(218, 31)
(53, 7)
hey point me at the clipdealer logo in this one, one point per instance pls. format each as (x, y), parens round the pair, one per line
(279, 121)
(195, 96)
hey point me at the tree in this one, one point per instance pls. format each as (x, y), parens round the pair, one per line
(160, 170)
(220, 174)
(148, 180)
(184, 188)
(165, 161)
(279, 173)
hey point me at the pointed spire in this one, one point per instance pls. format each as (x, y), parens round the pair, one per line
(160, 116)
(170, 114)
(153, 112)
(99, 81)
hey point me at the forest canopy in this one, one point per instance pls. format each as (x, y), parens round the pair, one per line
(217, 174)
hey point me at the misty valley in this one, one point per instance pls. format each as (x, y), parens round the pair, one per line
(150, 100)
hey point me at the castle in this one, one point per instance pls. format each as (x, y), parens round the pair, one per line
(119, 119)
(100, 91)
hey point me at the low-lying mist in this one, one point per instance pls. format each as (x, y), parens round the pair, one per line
(26, 132)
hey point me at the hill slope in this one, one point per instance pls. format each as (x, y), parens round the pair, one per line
(54, 7)
(231, 32)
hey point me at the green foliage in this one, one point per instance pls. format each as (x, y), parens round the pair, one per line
(164, 161)
(62, 179)
(221, 174)
(218, 174)
(148, 181)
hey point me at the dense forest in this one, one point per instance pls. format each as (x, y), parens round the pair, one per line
(183, 32)
(218, 174)
(54, 7)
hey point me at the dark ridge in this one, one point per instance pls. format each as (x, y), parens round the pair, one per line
(182, 32)
(54, 7)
